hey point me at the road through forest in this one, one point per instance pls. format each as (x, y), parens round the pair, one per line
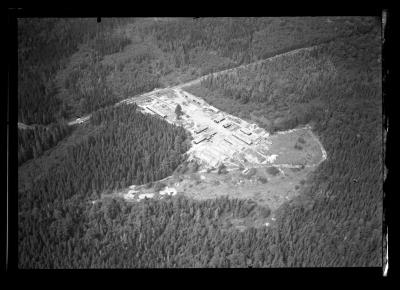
(198, 80)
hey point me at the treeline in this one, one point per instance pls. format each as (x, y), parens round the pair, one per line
(33, 142)
(44, 46)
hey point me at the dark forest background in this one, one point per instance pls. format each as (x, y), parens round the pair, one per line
(71, 67)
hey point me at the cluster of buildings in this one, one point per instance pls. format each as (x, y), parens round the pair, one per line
(207, 134)
(241, 136)
(237, 137)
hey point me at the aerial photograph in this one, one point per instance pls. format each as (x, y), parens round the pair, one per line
(199, 142)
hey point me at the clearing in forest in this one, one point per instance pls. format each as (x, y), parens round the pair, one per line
(235, 158)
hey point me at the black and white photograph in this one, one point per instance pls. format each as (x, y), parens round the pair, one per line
(199, 142)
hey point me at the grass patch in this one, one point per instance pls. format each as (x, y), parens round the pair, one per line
(273, 171)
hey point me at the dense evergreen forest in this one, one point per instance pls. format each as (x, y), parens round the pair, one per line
(336, 221)
(33, 142)
(128, 148)
(44, 47)
(245, 40)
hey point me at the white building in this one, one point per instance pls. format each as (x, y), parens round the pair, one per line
(200, 139)
(146, 195)
(154, 110)
(219, 119)
(243, 139)
(201, 129)
(168, 191)
(245, 131)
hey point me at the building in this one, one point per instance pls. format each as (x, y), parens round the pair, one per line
(154, 110)
(210, 135)
(245, 131)
(243, 139)
(146, 195)
(226, 140)
(201, 129)
(200, 139)
(219, 119)
(234, 142)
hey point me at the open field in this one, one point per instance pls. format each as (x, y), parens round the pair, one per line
(266, 187)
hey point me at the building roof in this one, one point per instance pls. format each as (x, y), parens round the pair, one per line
(219, 119)
(242, 138)
(156, 111)
(200, 129)
(245, 131)
(200, 139)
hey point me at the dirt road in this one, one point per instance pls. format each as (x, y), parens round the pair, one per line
(198, 80)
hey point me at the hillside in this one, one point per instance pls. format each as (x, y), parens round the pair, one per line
(90, 65)
(127, 148)
(337, 88)
(69, 211)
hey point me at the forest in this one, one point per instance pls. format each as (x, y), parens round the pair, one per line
(128, 148)
(247, 39)
(65, 219)
(44, 47)
(33, 142)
